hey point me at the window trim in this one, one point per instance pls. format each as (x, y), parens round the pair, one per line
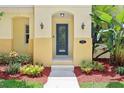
(25, 34)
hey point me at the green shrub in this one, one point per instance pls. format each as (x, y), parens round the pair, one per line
(4, 58)
(32, 70)
(13, 60)
(120, 70)
(24, 58)
(14, 57)
(98, 66)
(13, 68)
(86, 66)
(8, 57)
(87, 70)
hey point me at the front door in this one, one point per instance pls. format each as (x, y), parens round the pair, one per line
(61, 39)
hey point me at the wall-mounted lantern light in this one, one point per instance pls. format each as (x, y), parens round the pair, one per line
(82, 26)
(41, 25)
(62, 14)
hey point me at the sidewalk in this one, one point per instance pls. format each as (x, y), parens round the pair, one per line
(62, 77)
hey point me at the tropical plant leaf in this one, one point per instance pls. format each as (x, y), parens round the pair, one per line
(104, 16)
(120, 17)
(108, 22)
(117, 28)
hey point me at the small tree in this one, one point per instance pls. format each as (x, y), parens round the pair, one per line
(113, 35)
(101, 15)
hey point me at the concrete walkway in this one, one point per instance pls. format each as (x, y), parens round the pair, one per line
(62, 77)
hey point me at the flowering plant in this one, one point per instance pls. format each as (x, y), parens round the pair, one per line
(32, 70)
(13, 54)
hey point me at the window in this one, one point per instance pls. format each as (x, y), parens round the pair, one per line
(26, 34)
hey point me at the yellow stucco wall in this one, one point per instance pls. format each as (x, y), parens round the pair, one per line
(40, 43)
(6, 27)
(82, 51)
(43, 51)
(19, 44)
(68, 21)
(80, 13)
(5, 45)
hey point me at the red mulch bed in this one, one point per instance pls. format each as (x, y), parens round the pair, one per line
(43, 78)
(109, 75)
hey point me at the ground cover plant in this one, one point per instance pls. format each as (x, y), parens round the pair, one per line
(4, 58)
(19, 84)
(102, 85)
(120, 70)
(98, 66)
(86, 66)
(89, 66)
(13, 68)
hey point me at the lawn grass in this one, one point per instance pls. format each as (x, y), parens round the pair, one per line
(102, 85)
(19, 84)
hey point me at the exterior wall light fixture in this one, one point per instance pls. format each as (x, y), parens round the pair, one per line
(62, 14)
(82, 25)
(41, 25)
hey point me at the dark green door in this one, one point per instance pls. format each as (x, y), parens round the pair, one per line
(61, 39)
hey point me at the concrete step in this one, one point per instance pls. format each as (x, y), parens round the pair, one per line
(62, 67)
(62, 71)
(62, 61)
